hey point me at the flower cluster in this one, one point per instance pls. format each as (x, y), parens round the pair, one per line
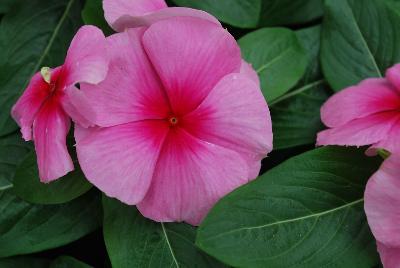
(167, 115)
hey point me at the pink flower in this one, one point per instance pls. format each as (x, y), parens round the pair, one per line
(181, 120)
(365, 114)
(46, 107)
(123, 14)
(382, 206)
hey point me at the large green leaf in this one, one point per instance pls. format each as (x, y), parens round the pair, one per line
(28, 186)
(93, 14)
(68, 262)
(24, 262)
(278, 58)
(12, 152)
(360, 39)
(35, 33)
(253, 13)
(306, 212)
(134, 241)
(296, 116)
(26, 228)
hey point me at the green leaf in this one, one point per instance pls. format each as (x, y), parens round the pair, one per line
(28, 186)
(24, 262)
(93, 14)
(255, 13)
(296, 116)
(35, 33)
(134, 241)
(307, 212)
(310, 40)
(5, 5)
(278, 58)
(12, 152)
(359, 40)
(27, 228)
(68, 262)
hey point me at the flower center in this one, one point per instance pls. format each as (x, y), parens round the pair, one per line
(173, 120)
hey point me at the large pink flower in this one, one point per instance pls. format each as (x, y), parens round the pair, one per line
(181, 121)
(123, 14)
(382, 206)
(46, 107)
(365, 114)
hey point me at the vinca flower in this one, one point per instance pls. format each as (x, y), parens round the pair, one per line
(180, 120)
(45, 107)
(365, 114)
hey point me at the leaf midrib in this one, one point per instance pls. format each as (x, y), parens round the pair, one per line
(50, 44)
(169, 245)
(316, 215)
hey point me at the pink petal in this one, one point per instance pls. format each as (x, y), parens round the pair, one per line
(50, 130)
(87, 59)
(114, 9)
(235, 116)
(77, 106)
(191, 56)
(382, 202)
(391, 143)
(393, 75)
(133, 21)
(190, 177)
(370, 96)
(359, 132)
(27, 106)
(248, 70)
(390, 257)
(132, 90)
(120, 160)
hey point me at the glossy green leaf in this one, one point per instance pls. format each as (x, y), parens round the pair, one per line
(68, 262)
(27, 228)
(296, 116)
(359, 40)
(93, 14)
(307, 212)
(278, 58)
(13, 150)
(134, 241)
(24, 262)
(253, 13)
(36, 33)
(28, 186)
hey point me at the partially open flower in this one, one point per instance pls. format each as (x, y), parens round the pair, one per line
(46, 107)
(365, 114)
(181, 120)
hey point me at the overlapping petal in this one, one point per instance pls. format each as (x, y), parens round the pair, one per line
(87, 59)
(393, 75)
(390, 256)
(50, 129)
(235, 116)
(362, 131)
(190, 176)
(114, 9)
(370, 96)
(132, 90)
(192, 62)
(120, 160)
(382, 202)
